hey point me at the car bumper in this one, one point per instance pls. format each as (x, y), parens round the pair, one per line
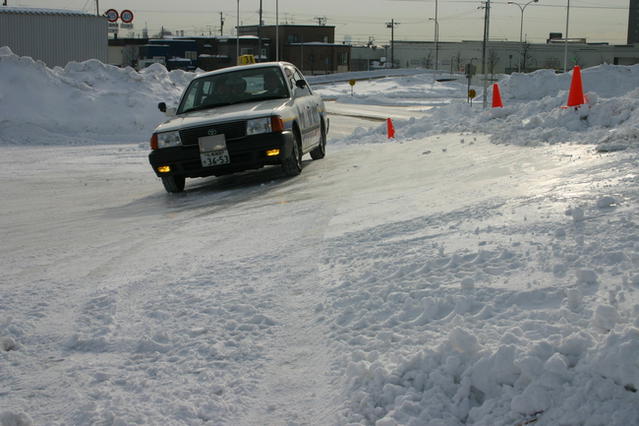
(245, 153)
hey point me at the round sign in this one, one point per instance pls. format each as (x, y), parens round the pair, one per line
(126, 16)
(111, 15)
(472, 93)
(351, 82)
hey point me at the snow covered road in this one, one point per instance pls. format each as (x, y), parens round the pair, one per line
(248, 298)
(482, 268)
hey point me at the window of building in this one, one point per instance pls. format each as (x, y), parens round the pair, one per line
(190, 54)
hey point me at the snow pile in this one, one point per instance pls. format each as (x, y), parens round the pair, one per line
(90, 101)
(420, 89)
(447, 324)
(533, 112)
(84, 102)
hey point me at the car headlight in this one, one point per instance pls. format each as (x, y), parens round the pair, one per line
(169, 139)
(258, 125)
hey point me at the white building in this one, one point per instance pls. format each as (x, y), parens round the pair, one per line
(55, 37)
(502, 56)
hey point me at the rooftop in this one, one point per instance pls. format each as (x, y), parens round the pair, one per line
(42, 11)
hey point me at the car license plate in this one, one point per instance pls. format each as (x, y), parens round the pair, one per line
(213, 151)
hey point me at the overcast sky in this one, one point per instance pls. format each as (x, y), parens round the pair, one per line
(357, 20)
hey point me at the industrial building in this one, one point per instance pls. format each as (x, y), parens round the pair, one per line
(502, 56)
(311, 48)
(55, 37)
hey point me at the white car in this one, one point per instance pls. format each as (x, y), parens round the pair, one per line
(240, 118)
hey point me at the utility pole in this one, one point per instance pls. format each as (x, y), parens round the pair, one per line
(277, 30)
(97, 7)
(237, 35)
(392, 25)
(483, 54)
(436, 36)
(259, 36)
(221, 23)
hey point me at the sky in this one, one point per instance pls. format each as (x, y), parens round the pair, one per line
(357, 20)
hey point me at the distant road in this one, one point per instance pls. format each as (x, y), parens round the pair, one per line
(376, 112)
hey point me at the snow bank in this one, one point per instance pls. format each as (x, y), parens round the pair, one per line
(83, 102)
(497, 325)
(90, 101)
(533, 112)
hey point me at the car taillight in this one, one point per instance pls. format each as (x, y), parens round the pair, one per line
(154, 141)
(277, 124)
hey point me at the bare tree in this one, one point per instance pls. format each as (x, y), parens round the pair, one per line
(525, 56)
(428, 60)
(458, 61)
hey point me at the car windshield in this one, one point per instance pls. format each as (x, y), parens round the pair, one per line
(249, 85)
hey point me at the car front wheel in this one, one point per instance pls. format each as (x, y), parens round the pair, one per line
(173, 184)
(320, 152)
(292, 165)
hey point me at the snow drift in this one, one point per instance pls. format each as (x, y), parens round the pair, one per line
(90, 101)
(83, 102)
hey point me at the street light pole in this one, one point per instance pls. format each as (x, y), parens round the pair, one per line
(566, 39)
(436, 36)
(521, 30)
(484, 48)
(277, 31)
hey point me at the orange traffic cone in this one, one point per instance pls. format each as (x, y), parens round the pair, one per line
(390, 129)
(576, 96)
(497, 103)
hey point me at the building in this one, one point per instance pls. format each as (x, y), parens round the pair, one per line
(502, 56)
(124, 52)
(206, 53)
(55, 37)
(311, 48)
(633, 22)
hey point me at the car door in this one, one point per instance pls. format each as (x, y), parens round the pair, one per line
(307, 111)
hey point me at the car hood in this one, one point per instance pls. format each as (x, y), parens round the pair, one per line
(236, 112)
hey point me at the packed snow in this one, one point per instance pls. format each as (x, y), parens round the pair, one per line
(481, 268)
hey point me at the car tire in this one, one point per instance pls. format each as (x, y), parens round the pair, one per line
(292, 165)
(320, 152)
(173, 184)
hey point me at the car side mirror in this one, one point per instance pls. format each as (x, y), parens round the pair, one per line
(169, 112)
(301, 84)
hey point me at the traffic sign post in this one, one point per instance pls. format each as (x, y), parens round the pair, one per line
(352, 83)
(112, 15)
(127, 16)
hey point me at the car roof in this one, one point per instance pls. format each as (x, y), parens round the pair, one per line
(279, 64)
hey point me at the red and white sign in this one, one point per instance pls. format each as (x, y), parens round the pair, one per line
(112, 15)
(127, 16)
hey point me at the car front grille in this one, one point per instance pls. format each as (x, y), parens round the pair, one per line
(234, 130)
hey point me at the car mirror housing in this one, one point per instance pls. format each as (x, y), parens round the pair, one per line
(170, 112)
(301, 84)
